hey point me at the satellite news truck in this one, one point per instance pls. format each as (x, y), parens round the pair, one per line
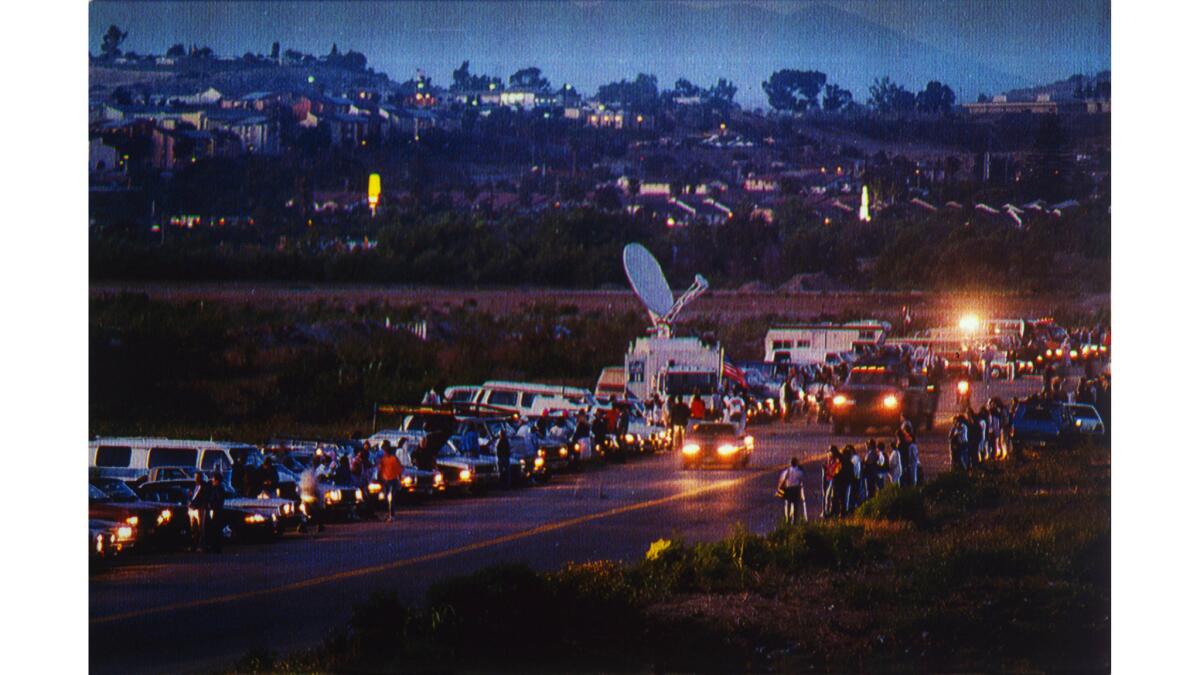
(674, 366)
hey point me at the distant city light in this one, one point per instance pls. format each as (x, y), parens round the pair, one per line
(311, 79)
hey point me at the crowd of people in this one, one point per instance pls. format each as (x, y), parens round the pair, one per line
(851, 477)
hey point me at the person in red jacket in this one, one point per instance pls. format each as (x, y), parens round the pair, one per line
(390, 472)
(698, 410)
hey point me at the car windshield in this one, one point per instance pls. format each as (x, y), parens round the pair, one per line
(1038, 414)
(1085, 412)
(116, 490)
(95, 494)
(714, 429)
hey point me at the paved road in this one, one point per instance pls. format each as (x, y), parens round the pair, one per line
(187, 612)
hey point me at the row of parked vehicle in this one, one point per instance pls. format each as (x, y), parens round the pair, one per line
(140, 488)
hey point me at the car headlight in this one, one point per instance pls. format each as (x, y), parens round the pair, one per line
(539, 462)
(628, 438)
(164, 517)
(890, 402)
(464, 475)
(1079, 423)
(562, 452)
(1058, 352)
(577, 447)
(255, 518)
(374, 488)
(1074, 354)
(99, 543)
(358, 495)
(750, 442)
(287, 509)
(691, 449)
(726, 449)
(438, 479)
(407, 481)
(839, 400)
(132, 520)
(963, 386)
(124, 533)
(333, 496)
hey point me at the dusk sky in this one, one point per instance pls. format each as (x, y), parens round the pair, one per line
(976, 46)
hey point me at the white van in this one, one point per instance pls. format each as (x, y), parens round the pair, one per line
(132, 458)
(532, 399)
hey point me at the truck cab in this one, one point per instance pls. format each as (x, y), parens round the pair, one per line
(875, 395)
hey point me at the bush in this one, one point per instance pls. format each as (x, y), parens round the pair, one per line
(896, 503)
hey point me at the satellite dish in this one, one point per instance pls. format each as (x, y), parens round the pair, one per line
(646, 278)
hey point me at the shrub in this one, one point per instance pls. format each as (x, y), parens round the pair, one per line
(896, 503)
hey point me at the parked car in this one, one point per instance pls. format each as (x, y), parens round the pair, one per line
(154, 523)
(276, 513)
(715, 443)
(107, 538)
(1054, 423)
(240, 524)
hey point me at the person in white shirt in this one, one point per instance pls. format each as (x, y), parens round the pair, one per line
(791, 484)
(895, 466)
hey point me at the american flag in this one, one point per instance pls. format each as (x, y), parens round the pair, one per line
(734, 373)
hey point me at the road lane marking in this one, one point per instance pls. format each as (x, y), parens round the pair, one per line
(429, 557)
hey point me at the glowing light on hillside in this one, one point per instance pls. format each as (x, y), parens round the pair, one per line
(864, 209)
(374, 187)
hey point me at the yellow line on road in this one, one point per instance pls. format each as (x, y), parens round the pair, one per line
(428, 557)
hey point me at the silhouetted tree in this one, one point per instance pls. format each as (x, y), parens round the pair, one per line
(836, 98)
(935, 99)
(110, 44)
(794, 90)
(529, 78)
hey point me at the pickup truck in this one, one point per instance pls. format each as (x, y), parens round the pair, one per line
(879, 396)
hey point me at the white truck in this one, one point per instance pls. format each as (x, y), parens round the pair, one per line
(673, 366)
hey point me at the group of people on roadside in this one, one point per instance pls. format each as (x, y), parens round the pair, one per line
(980, 436)
(851, 477)
(205, 512)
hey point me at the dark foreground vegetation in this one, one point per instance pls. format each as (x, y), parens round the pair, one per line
(1005, 569)
(582, 249)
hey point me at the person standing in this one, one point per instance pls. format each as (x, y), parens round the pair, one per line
(873, 468)
(791, 483)
(895, 464)
(311, 500)
(198, 511)
(390, 471)
(912, 464)
(214, 521)
(503, 457)
(829, 472)
(697, 410)
(845, 480)
(237, 473)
